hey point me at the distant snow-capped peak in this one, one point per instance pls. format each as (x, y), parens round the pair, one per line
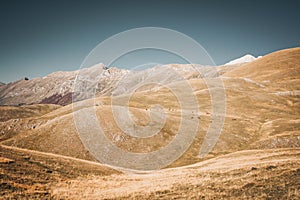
(244, 59)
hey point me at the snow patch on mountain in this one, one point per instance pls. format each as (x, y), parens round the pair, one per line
(244, 59)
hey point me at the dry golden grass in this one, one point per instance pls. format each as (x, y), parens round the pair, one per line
(262, 115)
(20, 119)
(251, 174)
(272, 174)
(25, 111)
(28, 174)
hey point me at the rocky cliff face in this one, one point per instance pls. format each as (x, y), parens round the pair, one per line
(56, 88)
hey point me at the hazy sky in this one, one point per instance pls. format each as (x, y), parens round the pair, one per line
(39, 37)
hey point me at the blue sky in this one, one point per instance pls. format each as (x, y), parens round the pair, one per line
(39, 37)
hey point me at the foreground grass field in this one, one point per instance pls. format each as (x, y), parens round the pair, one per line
(252, 174)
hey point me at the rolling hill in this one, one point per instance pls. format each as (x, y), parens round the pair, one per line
(260, 135)
(257, 115)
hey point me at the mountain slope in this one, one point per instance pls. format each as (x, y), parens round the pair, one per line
(20, 119)
(257, 116)
(56, 88)
(256, 156)
(275, 69)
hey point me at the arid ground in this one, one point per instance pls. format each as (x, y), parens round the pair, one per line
(257, 155)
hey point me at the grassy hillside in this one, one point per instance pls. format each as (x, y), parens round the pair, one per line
(257, 116)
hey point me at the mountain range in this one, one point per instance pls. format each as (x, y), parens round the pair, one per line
(257, 151)
(57, 87)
